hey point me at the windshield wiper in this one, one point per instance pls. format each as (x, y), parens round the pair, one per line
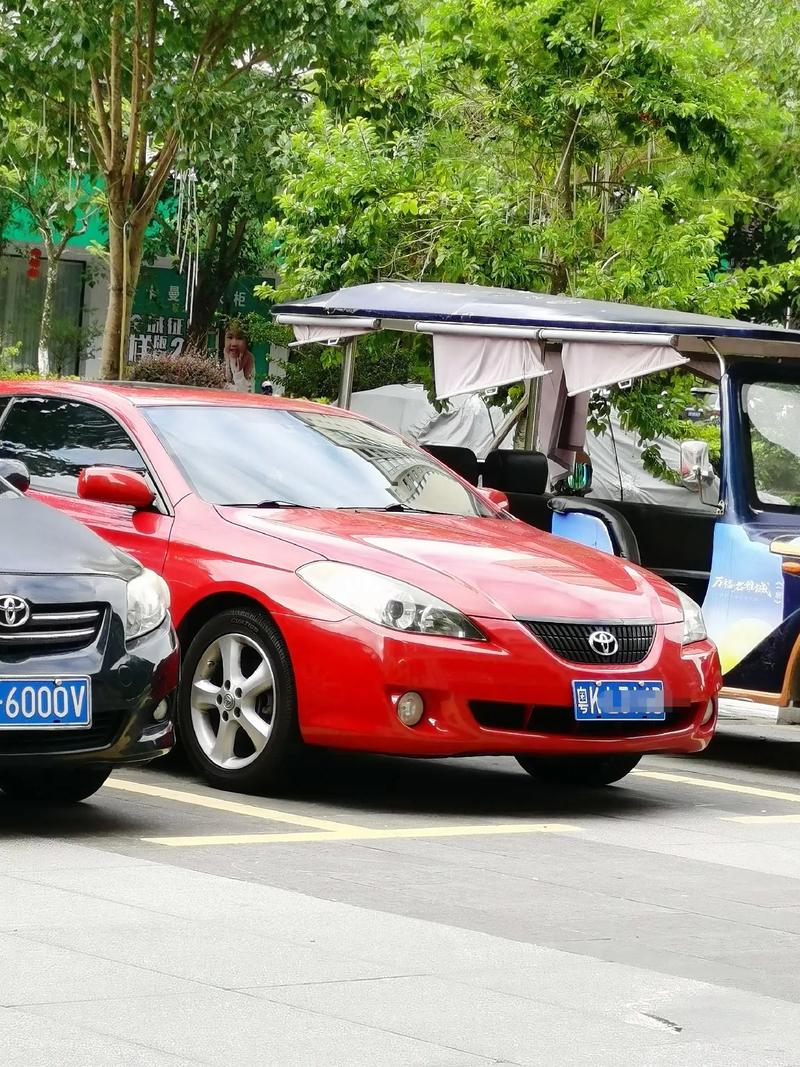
(272, 504)
(389, 507)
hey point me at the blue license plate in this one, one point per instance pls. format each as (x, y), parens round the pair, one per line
(611, 701)
(38, 702)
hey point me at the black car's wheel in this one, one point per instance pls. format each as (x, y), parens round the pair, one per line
(578, 770)
(56, 785)
(237, 717)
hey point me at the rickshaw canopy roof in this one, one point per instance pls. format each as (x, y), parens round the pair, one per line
(402, 305)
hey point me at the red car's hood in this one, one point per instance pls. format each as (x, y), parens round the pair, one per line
(484, 567)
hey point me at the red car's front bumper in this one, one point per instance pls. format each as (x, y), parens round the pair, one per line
(507, 695)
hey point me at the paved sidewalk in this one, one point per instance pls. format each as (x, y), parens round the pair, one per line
(746, 711)
(399, 913)
(114, 960)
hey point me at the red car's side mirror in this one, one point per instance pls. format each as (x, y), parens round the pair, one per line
(115, 485)
(496, 497)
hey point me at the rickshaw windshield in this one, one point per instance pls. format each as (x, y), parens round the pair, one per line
(772, 418)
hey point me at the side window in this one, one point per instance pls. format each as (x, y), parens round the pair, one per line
(622, 470)
(773, 410)
(57, 438)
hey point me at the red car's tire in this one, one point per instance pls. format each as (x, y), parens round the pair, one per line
(578, 770)
(237, 708)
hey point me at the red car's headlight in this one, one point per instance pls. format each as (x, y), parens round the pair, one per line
(387, 601)
(694, 627)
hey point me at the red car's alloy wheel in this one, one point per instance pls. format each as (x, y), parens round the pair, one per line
(236, 715)
(233, 701)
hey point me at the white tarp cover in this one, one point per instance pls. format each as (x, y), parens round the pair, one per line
(561, 418)
(617, 465)
(330, 335)
(467, 421)
(465, 364)
(595, 366)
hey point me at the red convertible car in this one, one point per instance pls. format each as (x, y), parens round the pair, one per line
(334, 585)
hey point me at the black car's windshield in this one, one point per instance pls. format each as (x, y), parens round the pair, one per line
(272, 457)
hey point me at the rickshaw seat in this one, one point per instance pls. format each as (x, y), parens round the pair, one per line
(516, 472)
(523, 477)
(459, 459)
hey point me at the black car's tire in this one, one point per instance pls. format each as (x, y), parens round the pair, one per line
(236, 740)
(56, 785)
(578, 770)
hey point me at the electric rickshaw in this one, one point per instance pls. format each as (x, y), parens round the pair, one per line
(738, 553)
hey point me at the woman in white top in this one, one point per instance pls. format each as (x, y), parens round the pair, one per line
(238, 361)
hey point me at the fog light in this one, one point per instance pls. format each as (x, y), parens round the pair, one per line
(410, 709)
(709, 713)
(161, 711)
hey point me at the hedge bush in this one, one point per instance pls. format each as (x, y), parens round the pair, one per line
(187, 369)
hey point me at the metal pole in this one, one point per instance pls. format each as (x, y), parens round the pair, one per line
(532, 415)
(348, 369)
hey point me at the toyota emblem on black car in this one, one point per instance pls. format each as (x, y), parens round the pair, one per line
(14, 611)
(603, 643)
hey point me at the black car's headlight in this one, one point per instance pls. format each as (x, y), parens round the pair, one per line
(148, 604)
(388, 601)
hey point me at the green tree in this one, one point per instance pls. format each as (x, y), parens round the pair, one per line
(544, 145)
(600, 148)
(141, 80)
(58, 203)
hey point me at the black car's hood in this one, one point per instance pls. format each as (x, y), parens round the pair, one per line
(36, 539)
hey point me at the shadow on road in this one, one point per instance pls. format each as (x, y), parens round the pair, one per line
(753, 749)
(92, 819)
(479, 787)
(458, 787)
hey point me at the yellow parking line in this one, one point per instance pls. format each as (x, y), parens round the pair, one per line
(724, 787)
(365, 834)
(758, 819)
(255, 811)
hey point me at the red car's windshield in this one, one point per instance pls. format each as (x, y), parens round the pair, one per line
(264, 457)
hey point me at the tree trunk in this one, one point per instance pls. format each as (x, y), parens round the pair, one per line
(559, 280)
(216, 274)
(125, 261)
(51, 278)
(210, 290)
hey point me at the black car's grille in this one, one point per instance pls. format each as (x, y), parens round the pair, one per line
(52, 628)
(104, 729)
(570, 640)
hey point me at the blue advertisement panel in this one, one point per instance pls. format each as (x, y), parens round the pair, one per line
(744, 604)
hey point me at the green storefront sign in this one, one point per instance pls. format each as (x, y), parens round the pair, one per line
(160, 319)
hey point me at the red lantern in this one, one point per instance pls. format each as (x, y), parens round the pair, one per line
(34, 263)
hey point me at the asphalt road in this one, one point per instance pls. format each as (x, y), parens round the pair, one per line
(393, 912)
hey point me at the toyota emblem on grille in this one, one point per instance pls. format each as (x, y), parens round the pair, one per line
(603, 643)
(14, 612)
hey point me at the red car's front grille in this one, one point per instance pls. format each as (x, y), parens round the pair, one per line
(571, 640)
(541, 719)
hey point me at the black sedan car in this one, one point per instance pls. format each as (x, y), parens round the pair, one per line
(88, 656)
